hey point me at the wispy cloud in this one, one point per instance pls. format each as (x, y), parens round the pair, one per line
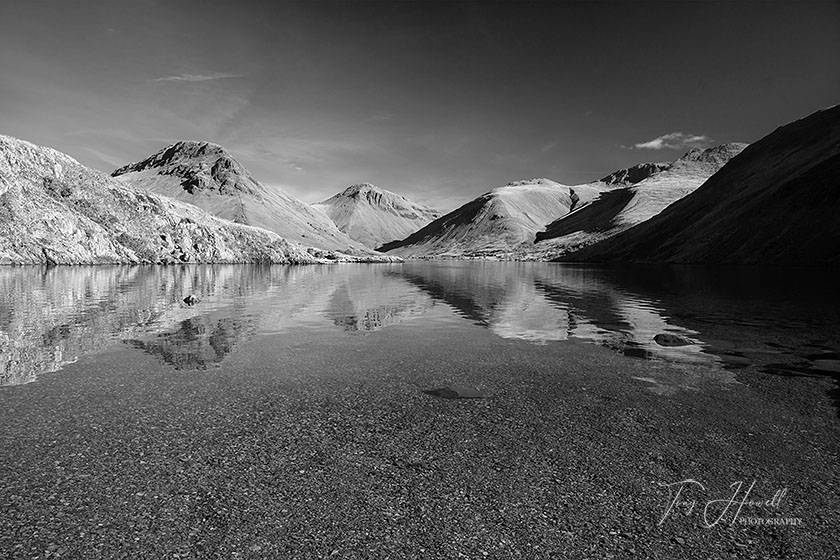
(111, 160)
(199, 77)
(674, 141)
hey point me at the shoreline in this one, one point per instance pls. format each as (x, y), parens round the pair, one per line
(290, 449)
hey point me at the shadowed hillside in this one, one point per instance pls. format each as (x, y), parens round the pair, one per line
(775, 203)
(640, 193)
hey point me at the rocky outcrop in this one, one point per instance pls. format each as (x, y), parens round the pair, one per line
(53, 210)
(207, 176)
(635, 174)
(775, 203)
(498, 223)
(708, 160)
(200, 167)
(374, 216)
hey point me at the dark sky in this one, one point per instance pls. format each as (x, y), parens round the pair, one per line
(438, 101)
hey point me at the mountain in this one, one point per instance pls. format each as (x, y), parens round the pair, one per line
(637, 194)
(207, 176)
(635, 174)
(777, 202)
(53, 210)
(496, 223)
(373, 216)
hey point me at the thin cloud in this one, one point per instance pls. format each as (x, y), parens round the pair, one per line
(198, 77)
(674, 141)
(112, 161)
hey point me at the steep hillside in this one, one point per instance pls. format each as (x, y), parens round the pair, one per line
(374, 216)
(207, 176)
(54, 210)
(640, 193)
(775, 203)
(496, 223)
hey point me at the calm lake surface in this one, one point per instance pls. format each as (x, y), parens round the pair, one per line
(284, 413)
(785, 321)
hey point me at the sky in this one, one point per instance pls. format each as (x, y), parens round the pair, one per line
(437, 101)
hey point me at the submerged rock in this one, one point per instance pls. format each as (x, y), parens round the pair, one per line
(668, 339)
(455, 392)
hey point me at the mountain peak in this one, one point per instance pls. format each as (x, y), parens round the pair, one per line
(361, 188)
(373, 215)
(201, 166)
(534, 181)
(371, 194)
(175, 153)
(635, 174)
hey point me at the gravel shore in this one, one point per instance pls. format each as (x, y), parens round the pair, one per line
(301, 446)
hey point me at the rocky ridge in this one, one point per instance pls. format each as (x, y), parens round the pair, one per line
(634, 174)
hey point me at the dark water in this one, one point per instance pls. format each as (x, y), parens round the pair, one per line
(777, 321)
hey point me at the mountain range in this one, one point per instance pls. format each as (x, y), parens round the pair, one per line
(207, 176)
(496, 223)
(53, 210)
(774, 201)
(539, 218)
(631, 196)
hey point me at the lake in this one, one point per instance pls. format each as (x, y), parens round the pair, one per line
(284, 414)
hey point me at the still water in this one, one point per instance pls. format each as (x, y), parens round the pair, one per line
(779, 321)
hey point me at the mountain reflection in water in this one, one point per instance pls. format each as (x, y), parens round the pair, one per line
(785, 321)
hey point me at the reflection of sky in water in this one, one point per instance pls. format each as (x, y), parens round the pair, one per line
(51, 316)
